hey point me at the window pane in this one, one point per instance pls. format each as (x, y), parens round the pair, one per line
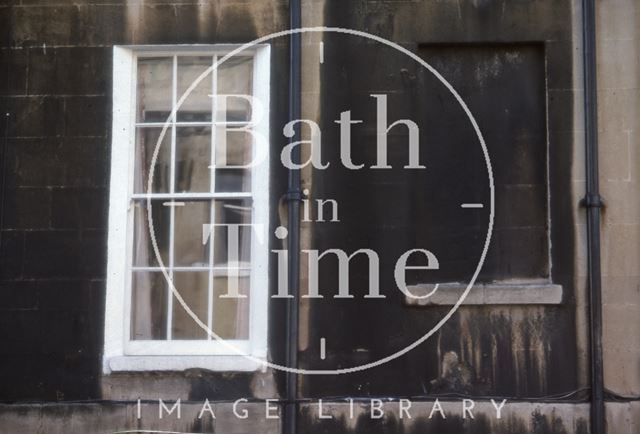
(148, 306)
(227, 214)
(154, 89)
(235, 78)
(194, 289)
(143, 254)
(146, 143)
(233, 147)
(189, 250)
(231, 315)
(197, 106)
(193, 158)
(230, 180)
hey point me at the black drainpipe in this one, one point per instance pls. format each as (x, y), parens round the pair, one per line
(593, 204)
(294, 196)
(3, 175)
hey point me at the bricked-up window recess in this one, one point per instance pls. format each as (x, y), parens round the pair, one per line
(504, 87)
(205, 187)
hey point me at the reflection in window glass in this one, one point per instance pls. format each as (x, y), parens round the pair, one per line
(193, 159)
(143, 253)
(231, 326)
(228, 180)
(230, 216)
(235, 78)
(154, 86)
(193, 287)
(233, 147)
(148, 306)
(146, 144)
(197, 105)
(186, 179)
(189, 251)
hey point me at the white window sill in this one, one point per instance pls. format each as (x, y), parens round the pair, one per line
(501, 293)
(180, 363)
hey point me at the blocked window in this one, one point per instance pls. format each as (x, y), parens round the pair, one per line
(504, 87)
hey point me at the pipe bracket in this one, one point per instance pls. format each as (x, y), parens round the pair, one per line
(592, 200)
(294, 196)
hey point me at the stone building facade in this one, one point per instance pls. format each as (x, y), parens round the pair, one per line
(523, 333)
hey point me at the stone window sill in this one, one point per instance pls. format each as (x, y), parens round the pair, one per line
(180, 363)
(483, 294)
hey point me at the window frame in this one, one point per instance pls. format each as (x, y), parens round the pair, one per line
(120, 352)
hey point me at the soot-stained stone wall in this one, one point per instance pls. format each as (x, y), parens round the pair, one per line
(55, 126)
(479, 47)
(55, 84)
(55, 89)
